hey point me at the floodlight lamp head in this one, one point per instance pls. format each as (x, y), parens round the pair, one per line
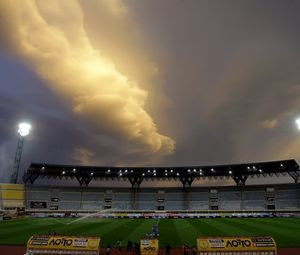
(298, 123)
(24, 129)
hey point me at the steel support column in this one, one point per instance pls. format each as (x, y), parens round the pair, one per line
(240, 180)
(135, 181)
(187, 181)
(17, 161)
(83, 180)
(295, 175)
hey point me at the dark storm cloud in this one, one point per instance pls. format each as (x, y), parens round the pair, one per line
(22, 98)
(232, 71)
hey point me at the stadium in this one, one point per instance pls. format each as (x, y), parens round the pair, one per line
(149, 127)
(176, 216)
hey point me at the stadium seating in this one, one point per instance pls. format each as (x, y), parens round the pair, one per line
(69, 196)
(226, 198)
(254, 205)
(69, 205)
(92, 196)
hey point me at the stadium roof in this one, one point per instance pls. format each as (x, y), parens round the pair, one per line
(186, 174)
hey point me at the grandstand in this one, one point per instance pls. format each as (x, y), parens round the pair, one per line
(279, 197)
(241, 197)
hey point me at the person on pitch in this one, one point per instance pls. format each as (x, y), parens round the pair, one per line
(194, 251)
(108, 250)
(185, 249)
(168, 249)
(119, 245)
(137, 249)
(129, 245)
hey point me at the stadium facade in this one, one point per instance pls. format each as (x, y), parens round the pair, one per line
(240, 197)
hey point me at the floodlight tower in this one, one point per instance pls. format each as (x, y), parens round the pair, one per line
(23, 131)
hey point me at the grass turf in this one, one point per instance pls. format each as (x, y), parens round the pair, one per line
(286, 231)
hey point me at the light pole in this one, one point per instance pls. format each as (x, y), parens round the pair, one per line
(23, 131)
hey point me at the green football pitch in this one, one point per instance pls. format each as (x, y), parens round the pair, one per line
(286, 231)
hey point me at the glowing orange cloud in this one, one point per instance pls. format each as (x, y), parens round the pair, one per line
(50, 36)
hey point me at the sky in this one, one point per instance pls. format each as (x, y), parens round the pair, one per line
(148, 83)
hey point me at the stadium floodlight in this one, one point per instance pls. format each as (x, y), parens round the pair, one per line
(23, 131)
(298, 123)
